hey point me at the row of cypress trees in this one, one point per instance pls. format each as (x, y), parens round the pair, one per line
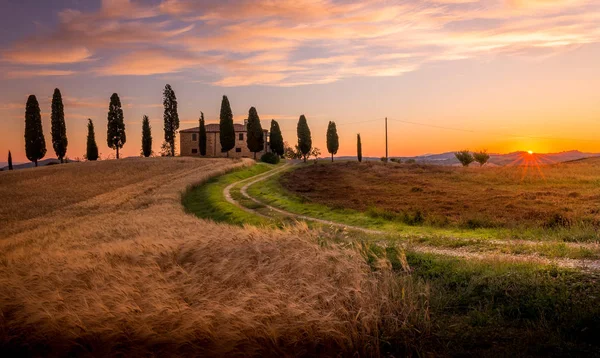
(35, 144)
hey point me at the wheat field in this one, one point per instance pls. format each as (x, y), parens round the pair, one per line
(99, 258)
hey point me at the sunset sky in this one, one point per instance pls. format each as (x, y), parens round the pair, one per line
(504, 75)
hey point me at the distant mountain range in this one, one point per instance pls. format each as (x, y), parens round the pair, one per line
(515, 158)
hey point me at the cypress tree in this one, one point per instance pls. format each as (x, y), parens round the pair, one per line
(115, 135)
(333, 143)
(255, 137)
(304, 137)
(276, 139)
(92, 148)
(10, 167)
(146, 137)
(59, 130)
(171, 117)
(358, 147)
(35, 144)
(226, 128)
(202, 136)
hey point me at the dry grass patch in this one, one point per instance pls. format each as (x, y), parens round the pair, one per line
(555, 196)
(107, 262)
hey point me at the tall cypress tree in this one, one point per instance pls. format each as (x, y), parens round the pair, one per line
(146, 137)
(59, 130)
(171, 117)
(358, 148)
(333, 143)
(304, 137)
(202, 136)
(10, 167)
(226, 128)
(92, 148)
(276, 139)
(255, 138)
(115, 135)
(35, 144)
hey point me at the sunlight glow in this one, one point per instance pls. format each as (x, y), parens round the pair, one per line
(530, 152)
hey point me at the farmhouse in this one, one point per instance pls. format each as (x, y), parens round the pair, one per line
(189, 143)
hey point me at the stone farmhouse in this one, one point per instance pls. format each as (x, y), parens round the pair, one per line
(189, 144)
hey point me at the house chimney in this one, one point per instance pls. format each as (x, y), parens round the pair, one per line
(245, 122)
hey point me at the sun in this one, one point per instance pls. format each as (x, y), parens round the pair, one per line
(530, 152)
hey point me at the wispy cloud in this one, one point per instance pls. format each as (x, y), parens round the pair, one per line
(293, 42)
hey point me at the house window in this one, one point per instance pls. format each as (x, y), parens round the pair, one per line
(194, 151)
(194, 138)
(241, 136)
(238, 150)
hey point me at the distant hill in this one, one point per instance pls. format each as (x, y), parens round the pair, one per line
(515, 158)
(41, 163)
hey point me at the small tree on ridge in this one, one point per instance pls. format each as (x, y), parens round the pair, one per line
(276, 139)
(202, 135)
(481, 157)
(35, 144)
(146, 137)
(59, 129)
(92, 147)
(254, 132)
(358, 148)
(226, 128)
(170, 116)
(333, 143)
(304, 137)
(464, 157)
(10, 166)
(115, 133)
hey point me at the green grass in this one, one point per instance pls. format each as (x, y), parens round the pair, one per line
(501, 308)
(207, 200)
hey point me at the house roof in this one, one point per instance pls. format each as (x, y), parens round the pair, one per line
(214, 127)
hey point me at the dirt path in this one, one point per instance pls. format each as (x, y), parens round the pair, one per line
(583, 264)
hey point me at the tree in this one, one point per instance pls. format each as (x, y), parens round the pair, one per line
(333, 143)
(358, 148)
(226, 129)
(165, 149)
(276, 139)
(35, 144)
(202, 139)
(304, 138)
(10, 166)
(464, 157)
(171, 117)
(59, 130)
(92, 147)
(292, 153)
(481, 157)
(255, 138)
(146, 137)
(115, 135)
(315, 153)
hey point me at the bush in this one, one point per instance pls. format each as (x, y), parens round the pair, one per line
(410, 161)
(464, 157)
(270, 158)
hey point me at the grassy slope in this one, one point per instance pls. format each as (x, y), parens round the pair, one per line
(551, 243)
(124, 271)
(476, 308)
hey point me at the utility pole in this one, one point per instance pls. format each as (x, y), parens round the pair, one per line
(386, 141)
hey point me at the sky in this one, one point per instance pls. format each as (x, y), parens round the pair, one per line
(501, 75)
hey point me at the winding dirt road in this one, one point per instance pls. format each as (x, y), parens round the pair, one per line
(583, 264)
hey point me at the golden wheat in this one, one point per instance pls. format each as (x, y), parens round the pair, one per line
(99, 258)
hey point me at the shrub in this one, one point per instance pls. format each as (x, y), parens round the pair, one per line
(384, 159)
(396, 160)
(464, 157)
(481, 157)
(270, 158)
(558, 221)
(410, 161)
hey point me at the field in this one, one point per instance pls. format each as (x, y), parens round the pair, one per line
(560, 195)
(101, 258)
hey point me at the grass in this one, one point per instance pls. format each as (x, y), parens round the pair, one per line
(207, 201)
(561, 203)
(123, 270)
